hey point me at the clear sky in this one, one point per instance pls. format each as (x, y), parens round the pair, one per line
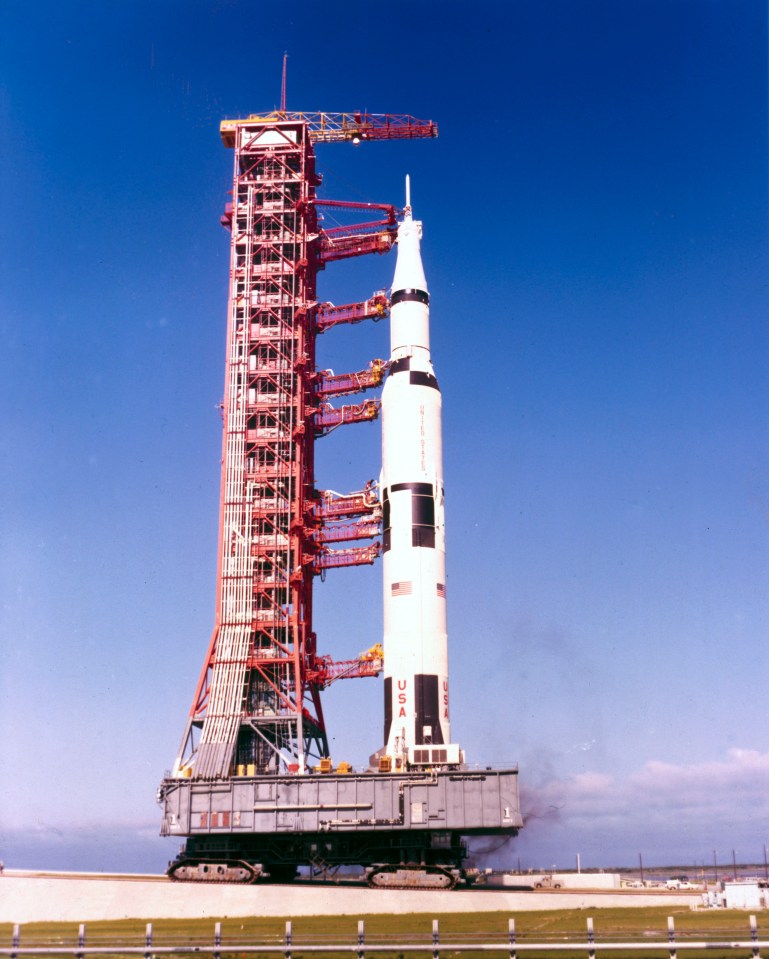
(595, 241)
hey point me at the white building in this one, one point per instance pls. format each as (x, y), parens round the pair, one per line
(745, 895)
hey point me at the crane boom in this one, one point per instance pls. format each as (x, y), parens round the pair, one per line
(336, 127)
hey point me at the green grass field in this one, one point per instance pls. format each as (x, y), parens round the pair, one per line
(570, 925)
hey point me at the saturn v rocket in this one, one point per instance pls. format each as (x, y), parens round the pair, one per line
(416, 683)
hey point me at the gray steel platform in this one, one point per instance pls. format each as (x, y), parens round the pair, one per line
(465, 801)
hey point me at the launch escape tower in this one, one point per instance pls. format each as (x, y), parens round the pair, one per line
(253, 787)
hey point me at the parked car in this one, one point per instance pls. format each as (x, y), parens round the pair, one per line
(546, 882)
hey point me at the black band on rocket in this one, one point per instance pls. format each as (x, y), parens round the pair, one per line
(400, 366)
(427, 709)
(423, 536)
(423, 489)
(388, 706)
(404, 296)
(422, 378)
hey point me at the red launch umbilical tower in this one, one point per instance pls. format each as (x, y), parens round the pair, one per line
(257, 707)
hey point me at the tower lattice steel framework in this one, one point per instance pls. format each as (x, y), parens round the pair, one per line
(257, 705)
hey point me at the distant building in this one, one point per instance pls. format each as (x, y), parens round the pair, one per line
(745, 895)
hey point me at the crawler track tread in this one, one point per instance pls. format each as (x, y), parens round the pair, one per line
(214, 876)
(426, 886)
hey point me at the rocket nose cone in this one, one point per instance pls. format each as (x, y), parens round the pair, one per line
(409, 272)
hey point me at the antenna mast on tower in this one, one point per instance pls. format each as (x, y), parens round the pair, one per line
(283, 85)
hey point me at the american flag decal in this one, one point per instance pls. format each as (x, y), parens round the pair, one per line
(441, 588)
(401, 589)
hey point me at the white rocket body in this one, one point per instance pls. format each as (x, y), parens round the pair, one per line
(414, 551)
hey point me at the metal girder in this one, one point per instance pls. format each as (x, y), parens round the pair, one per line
(331, 505)
(324, 670)
(328, 417)
(339, 127)
(339, 558)
(358, 244)
(377, 307)
(343, 384)
(345, 533)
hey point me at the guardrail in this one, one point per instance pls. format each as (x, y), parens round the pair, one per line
(434, 944)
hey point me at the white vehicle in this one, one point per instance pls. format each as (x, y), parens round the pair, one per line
(546, 882)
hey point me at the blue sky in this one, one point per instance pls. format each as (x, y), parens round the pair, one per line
(595, 219)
